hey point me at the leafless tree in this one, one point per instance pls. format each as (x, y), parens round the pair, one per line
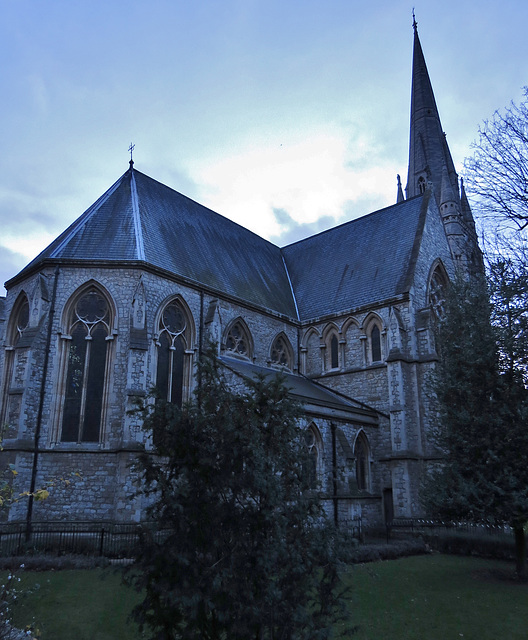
(497, 173)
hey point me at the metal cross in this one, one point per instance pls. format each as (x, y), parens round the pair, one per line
(131, 149)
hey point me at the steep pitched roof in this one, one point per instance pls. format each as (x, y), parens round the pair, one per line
(428, 148)
(141, 220)
(361, 262)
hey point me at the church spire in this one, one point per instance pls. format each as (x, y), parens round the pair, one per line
(430, 161)
(429, 153)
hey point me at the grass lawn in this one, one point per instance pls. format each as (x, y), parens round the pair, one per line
(438, 597)
(431, 597)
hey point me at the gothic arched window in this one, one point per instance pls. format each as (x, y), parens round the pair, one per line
(281, 352)
(331, 351)
(238, 340)
(21, 321)
(13, 376)
(374, 344)
(437, 291)
(421, 184)
(89, 329)
(173, 338)
(361, 454)
(313, 461)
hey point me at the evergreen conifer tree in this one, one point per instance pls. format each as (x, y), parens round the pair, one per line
(482, 410)
(238, 548)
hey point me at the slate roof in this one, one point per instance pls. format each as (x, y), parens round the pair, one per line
(303, 389)
(358, 263)
(139, 220)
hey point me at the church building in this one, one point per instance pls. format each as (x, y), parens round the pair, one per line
(128, 296)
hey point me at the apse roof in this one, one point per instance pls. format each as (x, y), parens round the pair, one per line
(140, 220)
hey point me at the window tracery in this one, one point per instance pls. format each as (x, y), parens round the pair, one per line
(437, 292)
(22, 321)
(238, 341)
(89, 329)
(17, 326)
(281, 352)
(172, 341)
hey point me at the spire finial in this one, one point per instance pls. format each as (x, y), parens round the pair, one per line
(415, 24)
(131, 149)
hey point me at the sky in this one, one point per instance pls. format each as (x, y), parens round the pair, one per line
(286, 116)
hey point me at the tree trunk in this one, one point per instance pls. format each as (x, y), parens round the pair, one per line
(520, 553)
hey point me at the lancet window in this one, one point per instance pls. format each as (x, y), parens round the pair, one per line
(331, 351)
(361, 454)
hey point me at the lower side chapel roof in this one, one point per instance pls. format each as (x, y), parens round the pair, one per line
(140, 220)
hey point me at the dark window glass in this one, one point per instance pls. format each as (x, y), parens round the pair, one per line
(375, 342)
(74, 385)
(334, 352)
(162, 374)
(361, 464)
(95, 385)
(86, 371)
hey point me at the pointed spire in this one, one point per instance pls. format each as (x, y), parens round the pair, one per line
(428, 149)
(399, 196)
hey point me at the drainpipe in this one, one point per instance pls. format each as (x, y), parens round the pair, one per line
(41, 408)
(200, 349)
(334, 475)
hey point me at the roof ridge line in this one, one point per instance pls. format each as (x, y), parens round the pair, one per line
(291, 286)
(85, 217)
(140, 245)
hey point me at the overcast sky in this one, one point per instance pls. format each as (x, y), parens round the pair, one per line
(286, 116)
